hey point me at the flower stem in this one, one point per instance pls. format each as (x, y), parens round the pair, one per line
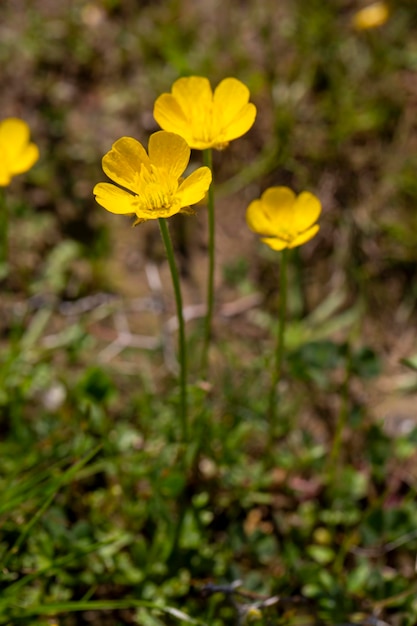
(208, 161)
(182, 348)
(279, 349)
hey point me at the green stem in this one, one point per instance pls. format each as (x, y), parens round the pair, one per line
(279, 349)
(182, 349)
(208, 161)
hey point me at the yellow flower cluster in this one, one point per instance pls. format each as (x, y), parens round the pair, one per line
(192, 116)
(150, 186)
(18, 154)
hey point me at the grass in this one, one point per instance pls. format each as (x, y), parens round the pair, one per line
(104, 517)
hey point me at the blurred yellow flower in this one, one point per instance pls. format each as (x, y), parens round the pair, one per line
(372, 16)
(151, 186)
(17, 154)
(283, 219)
(206, 119)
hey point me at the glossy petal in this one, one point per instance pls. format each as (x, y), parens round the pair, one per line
(14, 133)
(169, 152)
(114, 199)
(269, 214)
(195, 186)
(170, 116)
(124, 161)
(278, 204)
(275, 243)
(5, 177)
(25, 159)
(306, 211)
(17, 154)
(231, 96)
(233, 116)
(243, 121)
(304, 237)
(193, 93)
(258, 220)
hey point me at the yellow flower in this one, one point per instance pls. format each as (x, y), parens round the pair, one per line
(372, 16)
(152, 185)
(17, 154)
(283, 219)
(206, 119)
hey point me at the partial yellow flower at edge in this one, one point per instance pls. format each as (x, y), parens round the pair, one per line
(151, 185)
(282, 219)
(17, 153)
(206, 119)
(372, 16)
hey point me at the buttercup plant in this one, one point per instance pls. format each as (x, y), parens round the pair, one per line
(206, 119)
(150, 186)
(17, 155)
(284, 221)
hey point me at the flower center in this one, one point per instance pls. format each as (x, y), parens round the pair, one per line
(157, 191)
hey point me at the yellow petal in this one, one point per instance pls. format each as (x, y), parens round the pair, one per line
(306, 236)
(14, 134)
(307, 208)
(273, 213)
(195, 99)
(5, 177)
(170, 116)
(275, 243)
(25, 159)
(232, 116)
(195, 186)
(372, 16)
(230, 97)
(114, 199)
(124, 161)
(256, 218)
(169, 152)
(243, 121)
(18, 154)
(193, 94)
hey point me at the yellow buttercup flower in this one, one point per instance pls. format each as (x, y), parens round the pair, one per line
(283, 219)
(151, 186)
(17, 154)
(372, 16)
(206, 119)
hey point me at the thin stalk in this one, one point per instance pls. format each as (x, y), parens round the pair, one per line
(182, 348)
(279, 349)
(208, 161)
